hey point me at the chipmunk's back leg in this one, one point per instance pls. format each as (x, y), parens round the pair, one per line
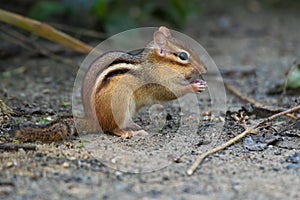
(129, 134)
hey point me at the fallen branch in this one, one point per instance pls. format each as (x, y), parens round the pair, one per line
(252, 130)
(43, 30)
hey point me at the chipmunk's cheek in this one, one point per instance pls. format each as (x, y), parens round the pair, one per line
(191, 76)
(199, 69)
(188, 78)
(195, 70)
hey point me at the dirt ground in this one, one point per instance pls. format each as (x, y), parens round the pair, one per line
(253, 50)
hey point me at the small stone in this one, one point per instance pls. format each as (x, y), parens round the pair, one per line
(277, 152)
(118, 173)
(294, 158)
(72, 158)
(66, 165)
(222, 119)
(113, 160)
(292, 166)
(22, 153)
(49, 118)
(9, 164)
(275, 168)
(206, 118)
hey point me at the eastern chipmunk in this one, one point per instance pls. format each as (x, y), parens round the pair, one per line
(118, 84)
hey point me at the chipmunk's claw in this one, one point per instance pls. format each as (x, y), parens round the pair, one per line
(199, 86)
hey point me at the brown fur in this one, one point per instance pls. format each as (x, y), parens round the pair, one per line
(158, 78)
(118, 84)
(58, 130)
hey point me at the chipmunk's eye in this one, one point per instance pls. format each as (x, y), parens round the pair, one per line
(183, 56)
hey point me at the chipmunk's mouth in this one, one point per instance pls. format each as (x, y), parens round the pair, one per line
(189, 79)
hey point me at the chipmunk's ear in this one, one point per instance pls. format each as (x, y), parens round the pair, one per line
(165, 31)
(160, 40)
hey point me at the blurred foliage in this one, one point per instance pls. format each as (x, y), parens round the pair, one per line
(288, 4)
(113, 16)
(294, 78)
(45, 10)
(117, 15)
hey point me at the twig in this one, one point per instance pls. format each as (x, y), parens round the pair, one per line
(219, 148)
(294, 65)
(13, 147)
(283, 113)
(242, 96)
(250, 100)
(43, 30)
(252, 130)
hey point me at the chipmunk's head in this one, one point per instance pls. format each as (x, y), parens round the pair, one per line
(174, 53)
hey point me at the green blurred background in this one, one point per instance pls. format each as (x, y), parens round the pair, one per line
(112, 16)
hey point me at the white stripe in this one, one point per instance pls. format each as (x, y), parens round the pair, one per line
(111, 68)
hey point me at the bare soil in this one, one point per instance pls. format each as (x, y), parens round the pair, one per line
(266, 166)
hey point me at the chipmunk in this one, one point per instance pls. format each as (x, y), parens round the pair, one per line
(118, 84)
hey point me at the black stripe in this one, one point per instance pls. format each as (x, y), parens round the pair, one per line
(126, 58)
(110, 75)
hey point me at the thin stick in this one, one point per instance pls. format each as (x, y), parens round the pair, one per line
(43, 30)
(199, 160)
(248, 99)
(283, 113)
(294, 65)
(248, 131)
(242, 96)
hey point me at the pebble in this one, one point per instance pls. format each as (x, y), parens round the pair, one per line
(275, 168)
(292, 166)
(66, 165)
(294, 158)
(9, 164)
(113, 160)
(118, 173)
(277, 152)
(72, 158)
(22, 153)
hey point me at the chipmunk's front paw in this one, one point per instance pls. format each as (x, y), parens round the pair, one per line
(199, 86)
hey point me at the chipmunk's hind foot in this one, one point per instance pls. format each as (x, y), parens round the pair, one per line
(129, 134)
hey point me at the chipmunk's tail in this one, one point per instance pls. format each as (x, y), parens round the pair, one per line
(60, 129)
